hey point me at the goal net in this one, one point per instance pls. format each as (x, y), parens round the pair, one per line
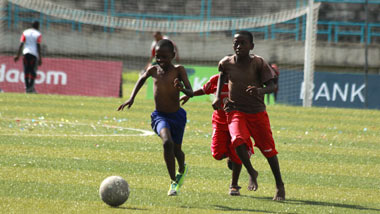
(98, 39)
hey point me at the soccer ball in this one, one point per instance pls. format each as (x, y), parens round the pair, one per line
(114, 191)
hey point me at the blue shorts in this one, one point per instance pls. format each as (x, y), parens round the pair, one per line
(175, 122)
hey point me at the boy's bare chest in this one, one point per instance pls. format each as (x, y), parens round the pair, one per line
(163, 77)
(242, 73)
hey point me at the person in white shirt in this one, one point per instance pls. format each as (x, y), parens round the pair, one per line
(31, 50)
(157, 37)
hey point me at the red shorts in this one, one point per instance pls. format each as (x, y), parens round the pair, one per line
(221, 146)
(242, 126)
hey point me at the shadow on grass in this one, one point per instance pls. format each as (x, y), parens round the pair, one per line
(317, 203)
(225, 208)
(128, 208)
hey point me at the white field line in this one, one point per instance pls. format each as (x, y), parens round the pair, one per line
(142, 134)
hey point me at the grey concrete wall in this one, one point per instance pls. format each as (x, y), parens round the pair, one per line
(133, 49)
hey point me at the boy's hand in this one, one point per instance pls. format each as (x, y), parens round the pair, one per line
(127, 103)
(178, 84)
(216, 104)
(184, 99)
(15, 58)
(253, 90)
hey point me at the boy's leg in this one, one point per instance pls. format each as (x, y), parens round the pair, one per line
(161, 125)
(261, 131)
(229, 164)
(30, 72)
(242, 152)
(26, 81)
(234, 187)
(182, 168)
(26, 73)
(219, 143)
(32, 80)
(235, 160)
(169, 157)
(180, 156)
(275, 166)
(33, 71)
(237, 125)
(178, 123)
(236, 169)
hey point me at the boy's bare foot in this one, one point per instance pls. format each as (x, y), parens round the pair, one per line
(253, 182)
(280, 193)
(234, 190)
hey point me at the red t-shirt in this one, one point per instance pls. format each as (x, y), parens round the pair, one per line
(219, 118)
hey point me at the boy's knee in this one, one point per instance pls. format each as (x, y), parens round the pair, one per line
(271, 156)
(219, 156)
(239, 144)
(167, 144)
(241, 149)
(238, 141)
(178, 149)
(269, 153)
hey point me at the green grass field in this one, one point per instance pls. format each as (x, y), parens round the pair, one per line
(56, 150)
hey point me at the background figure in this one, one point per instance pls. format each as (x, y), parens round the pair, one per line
(31, 49)
(157, 37)
(276, 70)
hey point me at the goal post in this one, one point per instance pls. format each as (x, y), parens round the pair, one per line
(121, 31)
(310, 46)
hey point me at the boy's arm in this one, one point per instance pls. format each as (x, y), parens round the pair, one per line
(222, 79)
(18, 52)
(39, 54)
(185, 98)
(270, 87)
(176, 53)
(183, 75)
(267, 77)
(140, 82)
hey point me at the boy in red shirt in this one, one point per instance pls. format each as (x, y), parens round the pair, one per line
(246, 111)
(221, 146)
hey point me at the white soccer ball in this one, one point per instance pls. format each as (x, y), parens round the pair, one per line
(114, 191)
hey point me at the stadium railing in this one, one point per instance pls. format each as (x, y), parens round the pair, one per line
(338, 31)
(73, 24)
(278, 30)
(32, 16)
(333, 29)
(7, 18)
(373, 32)
(350, 1)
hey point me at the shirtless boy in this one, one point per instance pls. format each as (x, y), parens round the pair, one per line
(246, 112)
(168, 120)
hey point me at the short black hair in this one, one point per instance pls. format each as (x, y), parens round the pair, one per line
(246, 33)
(36, 24)
(166, 43)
